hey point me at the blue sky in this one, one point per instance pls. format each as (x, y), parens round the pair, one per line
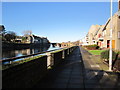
(58, 21)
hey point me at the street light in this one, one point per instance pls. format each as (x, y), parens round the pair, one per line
(111, 27)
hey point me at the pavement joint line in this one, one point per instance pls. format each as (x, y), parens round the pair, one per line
(96, 73)
(83, 69)
(89, 77)
(67, 85)
(94, 65)
(105, 74)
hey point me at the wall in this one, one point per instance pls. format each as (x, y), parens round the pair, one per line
(26, 75)
(91, 33)
(118, 30)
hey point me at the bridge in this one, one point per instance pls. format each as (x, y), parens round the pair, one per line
(66, 44)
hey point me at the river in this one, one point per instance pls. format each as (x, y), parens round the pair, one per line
(16, 53)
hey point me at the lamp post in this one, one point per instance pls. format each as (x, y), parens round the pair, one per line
(111, 27)
(118, 4)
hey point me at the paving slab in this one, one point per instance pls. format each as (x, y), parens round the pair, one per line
(95, 72)
(69, 74)
(80, 70)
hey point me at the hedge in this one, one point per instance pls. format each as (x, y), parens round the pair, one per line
(92, 47)
(105, 55)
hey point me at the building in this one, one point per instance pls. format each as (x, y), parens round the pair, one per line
(32, 39)
(90, 37)
(36, 39)
(100, 34)
(115, 31)
(84, 41)
(44, 40)
(18, 39)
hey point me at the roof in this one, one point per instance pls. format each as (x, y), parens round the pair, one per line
(106, 24)
(117, 13)
(97, 31)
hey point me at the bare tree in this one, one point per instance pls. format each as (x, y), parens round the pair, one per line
(27, 32)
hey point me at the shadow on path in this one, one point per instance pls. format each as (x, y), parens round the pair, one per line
(68, 74)
(73, 73)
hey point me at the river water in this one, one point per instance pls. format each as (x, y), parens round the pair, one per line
(16, 53)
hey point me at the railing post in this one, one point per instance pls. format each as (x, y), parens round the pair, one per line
(63, 54)
(50, 60)
(10, 62)
(68, 51)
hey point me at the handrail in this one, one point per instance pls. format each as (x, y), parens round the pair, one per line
(14, 58)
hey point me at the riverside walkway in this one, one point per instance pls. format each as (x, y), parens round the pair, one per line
(69, 74)
(78, 72)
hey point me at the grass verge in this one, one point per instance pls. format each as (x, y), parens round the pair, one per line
(95, 52)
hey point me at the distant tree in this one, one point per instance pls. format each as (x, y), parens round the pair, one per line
(2, 29)
(2, 32)
(27, 33)
(24, 38)
(10, 35)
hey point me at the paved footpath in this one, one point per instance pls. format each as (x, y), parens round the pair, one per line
(69, 74)
(96, 75)
(79, 71)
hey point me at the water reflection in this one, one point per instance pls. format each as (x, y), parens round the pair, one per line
(15, 53)
(53, 47)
